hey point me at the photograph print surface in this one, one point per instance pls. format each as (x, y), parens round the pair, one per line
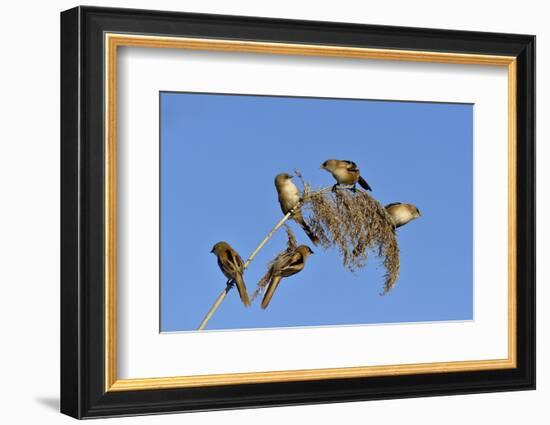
(377, 196)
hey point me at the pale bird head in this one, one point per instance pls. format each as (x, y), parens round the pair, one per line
(413, 210)
(282, 178)
(329, 164)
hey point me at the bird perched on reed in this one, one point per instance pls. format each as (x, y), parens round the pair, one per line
(286, 264)
(345, 173)
(289, 198)
(232, 266)
(401, 213)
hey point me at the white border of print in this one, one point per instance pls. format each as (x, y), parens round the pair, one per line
(144, 352)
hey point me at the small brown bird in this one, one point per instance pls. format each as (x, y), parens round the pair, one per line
(345, 173)
(285, 265)
(289, 197)
(401, 213)
(232, 266)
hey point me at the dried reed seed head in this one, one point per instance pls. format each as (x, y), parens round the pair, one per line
(356, 224)
(291, 244)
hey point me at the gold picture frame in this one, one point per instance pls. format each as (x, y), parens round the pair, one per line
(114, 41)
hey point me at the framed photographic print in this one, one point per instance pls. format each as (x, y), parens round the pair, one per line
(261, 212)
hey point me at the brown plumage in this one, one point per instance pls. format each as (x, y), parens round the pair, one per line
(289, 197)
(345, 173)
(232, 266)
(402, 213)
(286, 264)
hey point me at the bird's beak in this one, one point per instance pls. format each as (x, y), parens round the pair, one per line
(212, 251)
(311, 252)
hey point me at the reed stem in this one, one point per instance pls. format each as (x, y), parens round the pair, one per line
(226, 290)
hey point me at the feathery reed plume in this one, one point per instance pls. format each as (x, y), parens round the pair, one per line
(356, 224)
(290, 246)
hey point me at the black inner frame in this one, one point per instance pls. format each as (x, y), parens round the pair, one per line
(82, 206)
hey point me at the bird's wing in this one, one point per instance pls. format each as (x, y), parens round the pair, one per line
(282, 261)
(230, 263)
(350, 165)
(235, 260)
(295, 265)
(392, 204)
(233, 266)
(239, 261)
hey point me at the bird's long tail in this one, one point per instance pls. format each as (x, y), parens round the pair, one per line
(270, 291)
(241, 287)
(363, 183)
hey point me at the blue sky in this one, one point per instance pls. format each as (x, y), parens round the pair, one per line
(219, 156)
